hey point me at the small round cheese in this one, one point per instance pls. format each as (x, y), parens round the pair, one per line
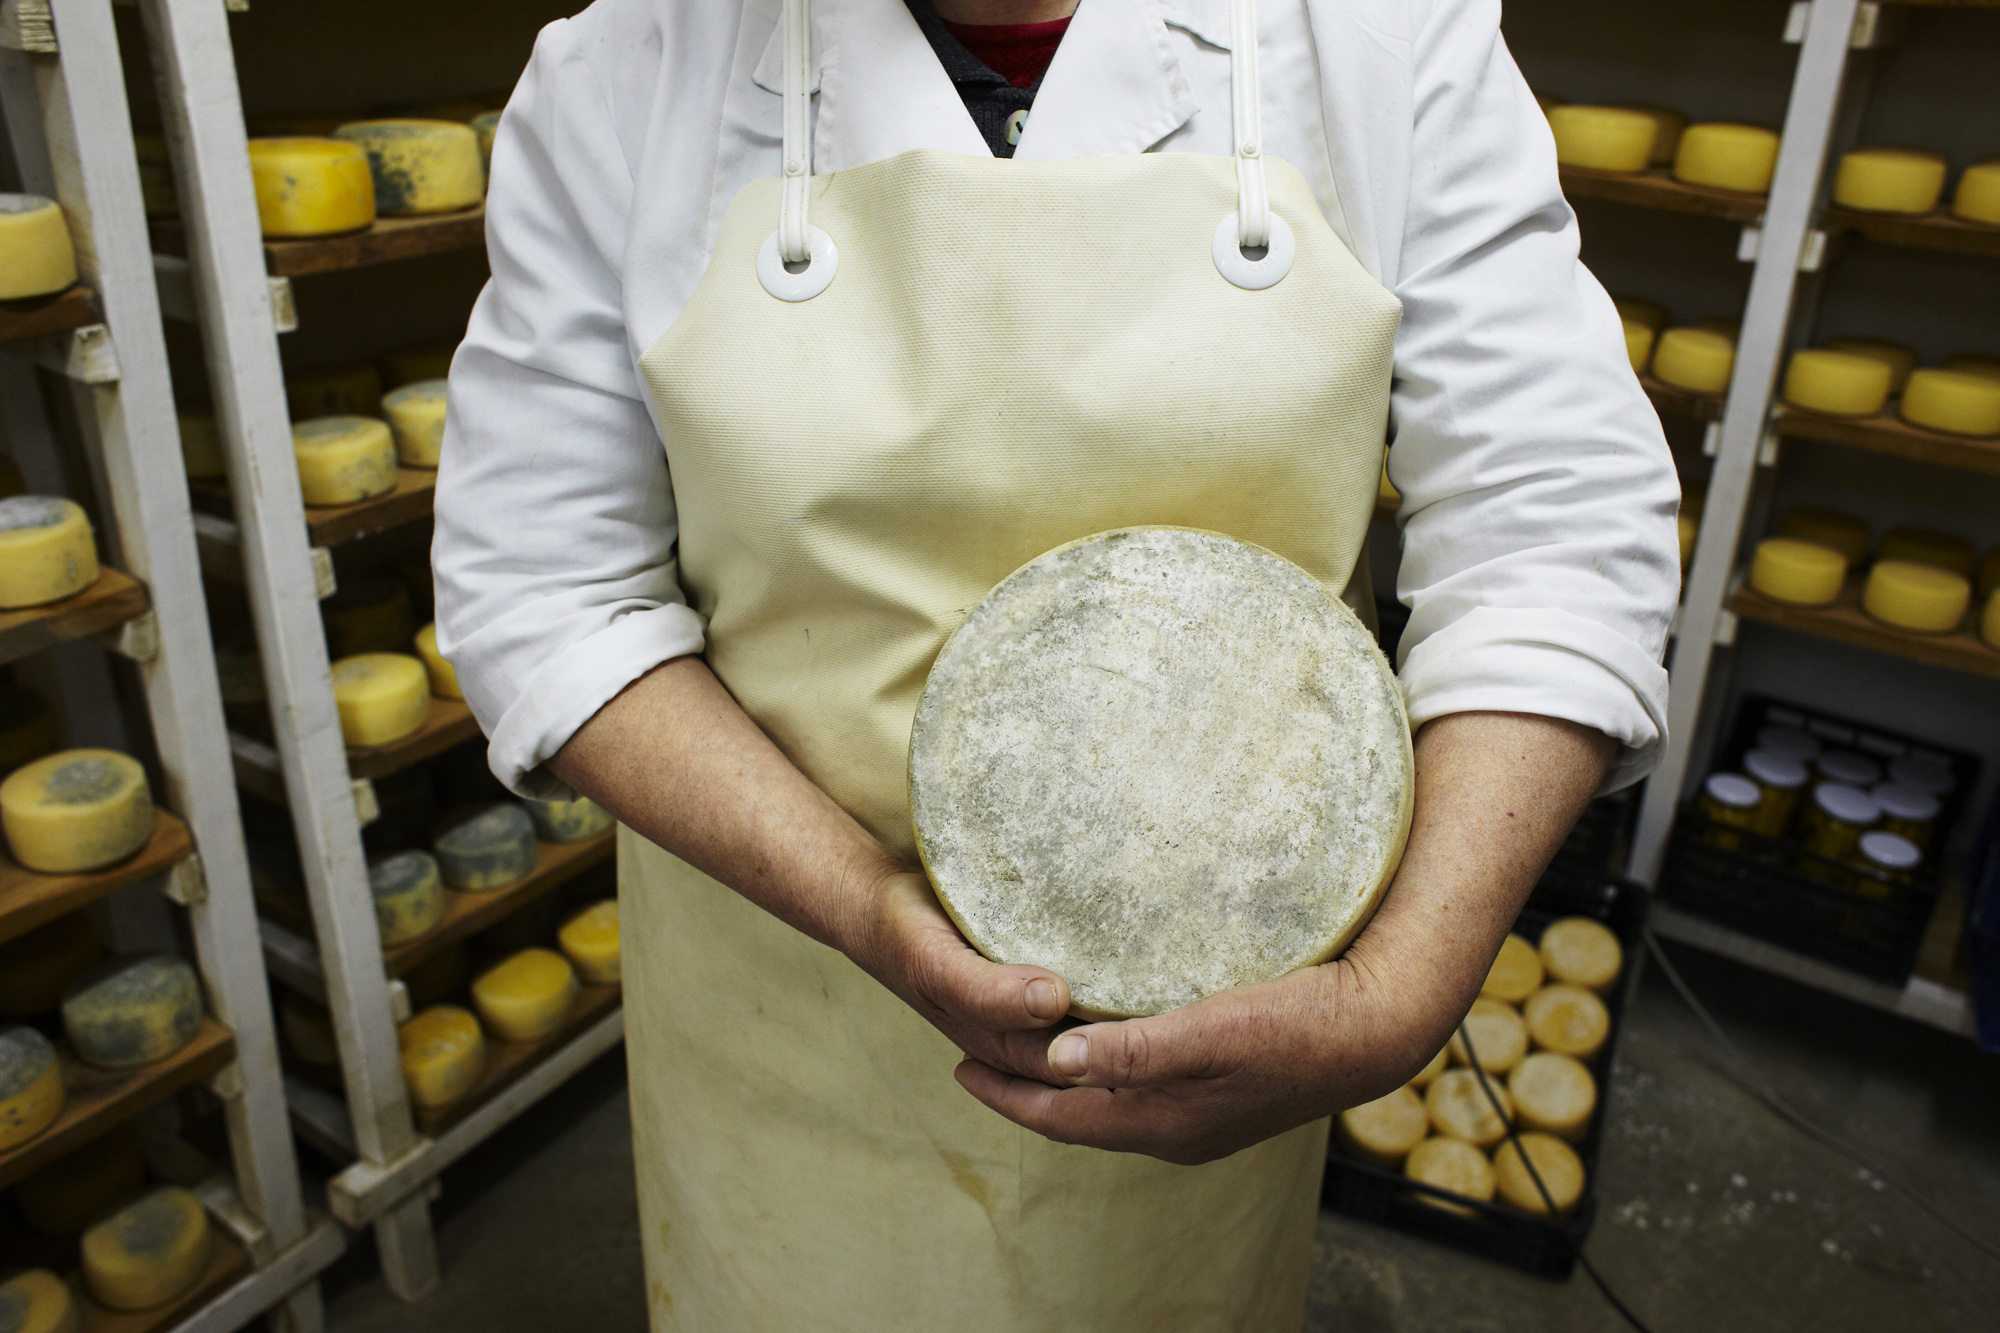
(1383, 1131)
(149, 1251)
(381, 697)
(1515, 975)
(1556, 1164)
(486, 848)
(1845, 384)
(1915, 596)
(444, 677)
(420, 166)
(590, 941)
(1553, 1093)
(37, 1301)
(31, 1086)
(338, 391)
(29, 728)
(201, 447)
(1450, 1164)
(486, 125)
(1889, 180)
(311, 187)
(1577, 951)
(1901, 358)
(1459, 1108)
(76, 810)
(528, 996)
(36, 257)
(1927, 546)
(1603, 138)
(308, 1032)
(132, 1011)
(1638, 344)
(416, 415)
(1426, 1076)
(420, 361)
(1978, 196)
(408, 893)
(1955, 401)
(47, 550)
(343, 460)
(1828, 527)
(569, 821)
(1498, 1036)
(368, 614)
(1649, 313)
(443, 1054)
(36, 968)
(85, 1183)
(1567, 1020)
(1800, 573)
(1727, 156)
(1696, 359)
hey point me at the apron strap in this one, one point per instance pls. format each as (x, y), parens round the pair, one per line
(1253, 199)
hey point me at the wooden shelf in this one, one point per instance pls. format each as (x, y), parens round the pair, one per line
(228, 1264)
(507, 1061)
(1886, 433)
(449, 723)
(1929, 231)
(29, 898)
(106, 604)
(1844, 622)
(386, 240)
(1658, 189)
(100, 1099)
(333, 525)
(39, 315)
(556, 863)
(1682, 402)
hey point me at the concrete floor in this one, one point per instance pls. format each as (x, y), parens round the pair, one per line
(1713, 1214)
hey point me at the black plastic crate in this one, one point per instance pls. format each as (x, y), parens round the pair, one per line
(1545, 1247)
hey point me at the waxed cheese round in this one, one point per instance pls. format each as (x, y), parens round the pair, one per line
(1697, 359)
(416, 416)
(1836, 528)
(1453, 1165)
(1556, 1165)
(1889, 180)
(308, 1032)
(1955, 401)
(36, 257)
(1568, 1020)
(1383, 1131)
(37, 967)
(336, 391)
(132, 1011)
(381, 697)
(1901, 358)
(1927, 546)
(1553, 1093)
(1603, 138)
(1727, 156)
(1638, 344)
(311, 187)
(443, 1053)
(1846, 384)
(590, 941)
(1978, 196)
(420, 166)
(1460, 1109)
(1916, 596)
(31, 1086)
(526, 997)
(343, 460)
(486, 848)
(369, 614)
(1577, 951)
(1800, 573)
(1162, 763)
(444, 676)
(1515, 975)
(1499, 1037)
(149, 1251)
(76, 810)
(47, 550)
(568, 821)
(409, 895)
(1426, 1076)
(37, 1301)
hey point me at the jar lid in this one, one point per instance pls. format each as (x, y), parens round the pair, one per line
(1900, 802)
(1924, 772)
(1849, 805)
(1774, 769)
(1788, 741)
(1733, 790)
(1891, 851)
(1849, 767)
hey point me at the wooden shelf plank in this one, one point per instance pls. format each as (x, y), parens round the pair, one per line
(106, 604)
(1845, 622)
(29, 898)
(229, 1263)
(39, 315)
(468, 913)
(100, 1099)
(1929, 231)
(1682, 402)
(333, 525)
(450, 722)
(507, 1061)
(386, 240)
(1886, 433)
(1658, 189)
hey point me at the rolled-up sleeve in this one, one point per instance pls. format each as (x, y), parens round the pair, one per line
(1540, 563)
(555, 548)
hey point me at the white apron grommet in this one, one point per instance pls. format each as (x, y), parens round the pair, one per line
(1252, 275)
(823, 258)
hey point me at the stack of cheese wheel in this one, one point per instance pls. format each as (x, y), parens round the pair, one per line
(311, 187)
(381, 697)
(36, 257)
(149, 1252)
(47, 550)
(1978, 196)
(1837, 383)
(1889, 180)
(444, 677)
(416, 416)
(443, 1053)
(76, 810)
(1727, 157)
(590, 941)
(1603, 138)
(408, 892)
(344, 459)
(1798, 573)
(31, 1086)
(336, 391)
(129, 1012)
(528, 996)
(1958, 402)
(420, 166)
(486, 848)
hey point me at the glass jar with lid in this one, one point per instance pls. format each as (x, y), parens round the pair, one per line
(1850, 768)
(1886, 862)
(1907, 812)
(1780, 780)
(1730, 800)
(1834, 820)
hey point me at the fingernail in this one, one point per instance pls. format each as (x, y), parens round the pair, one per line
(1070, 1055)
(1042, 999)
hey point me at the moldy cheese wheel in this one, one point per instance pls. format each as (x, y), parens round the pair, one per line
(1515, 975)
(590, 941)
(31, 1086)
(486, 848)
(1603, 138)
(1927, 546)
(37, 1301)
(1978, 197)
(1555, 1162)
(1901, 358)
(1577, 951)
(444, 677)
(370, 614)
(343, 459)
(526, 997)
(1955, 401)
(47, 550)
(1426, 1076)
(1498, 1037)
(443, 1053)
(76, 810)
(1915, 596)
(1889, 180)
(36, 257)
(1800, 573)
(420, 166)
(311, 187)
(1567, 1020)
(1700, 360)
(36, 968)
(128, 1012)
(381, 697)
(1459, 1108)
(149, 1251)
(1828, 527)
(1383, 1131)
(1553, 1093)
(1844, 384)
(568, 821)
(1450, 1164)
(416, 416)
(408, 893)
(1727, 156)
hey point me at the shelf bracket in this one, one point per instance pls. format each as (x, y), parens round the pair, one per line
(28, 25)
(367, 809)
(399, 1001)
(186, 883)
(1767, 449)
(137, 640)
(1711, 439)
(175, 280)
(85, 354)
(1812, 253)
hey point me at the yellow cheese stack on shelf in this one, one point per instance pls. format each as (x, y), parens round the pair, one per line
(408, 893)
(47, 550)
(1927, 546)
(1727, 156)
(201, 447)
(1515, 975)
(1498, 1037)
(487, 848)
(1453, 1165)
(423, 361)
(486, 125)
(1385, 1130)
(381, 697)
(416, 415)
(76, 810)
(36, 257)
(1668, 125)
(37, 1301)
(590, 941)
(149, 1251)
(1842, 384)
(1955, 401)
(31, 1086)
(1901, 358)
(85, 1183)
(311, 187)
(1989, 620)
(368, 614)
(444, 678)
(36, 968)
(1426, 1076)
(569, 821)
(1603, 138)
(443, 1053)
(1699, 360)
(1553, 1093)
(1459, 1108)
(343, 460)
(1916, 596)
(1635, 311)
(28, 725)
(1555, 1162)
(1638, 344)
(1577, 951)
(308, 1032)
(1800, 573)
(1567, 1020)
(1828, 527)
(420, 166)
(1889, 180)
(528, 996)
(132, 1011)
(1978, 196)
(336, 391)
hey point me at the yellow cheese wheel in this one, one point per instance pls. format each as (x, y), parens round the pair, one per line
(47, 550)
(36, 968)
(486, 125)
(408, 893)
(343, 460)
(1901, 358)
(311, 187)
(38, 1301)
(486, 848)
(1916, 596)
(85, 1183)
(28, 725)
(1668, 125)
(1828, 527)
(308, 1032)
(127, 1012)
(1889, 180)
(1383, 1131)
(1801, 573)
(156, 176)
(1460, 1109)
(381, 697)
(1577, 951)
(1555, 1163)
(569, 821)
(1989, 620)
(1450, 1164)
(1978, 196)
(590, 941)
(420, 166)
(526, 997)
(1515, 975)
(1927, 546)
(1696, 359)
(1553, 1093)
(1428, 1074)
(1650, 313)
(76, 810)
(36, 257)
(443, 1054)
(1957, 401)
(201, 447)
(1603, 138)
(1568, 1020)
(421, 361)
(444, 677)
(1844, 384)
(31, 1086)
(338, 391)
(1638, 344)
(1499, 1037)
(149, 1251)
(368, 614)
(416, 415)
(1727, 156)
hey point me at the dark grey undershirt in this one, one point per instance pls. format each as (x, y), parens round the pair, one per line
(987, 95)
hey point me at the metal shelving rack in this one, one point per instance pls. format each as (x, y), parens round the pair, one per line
(102, 343)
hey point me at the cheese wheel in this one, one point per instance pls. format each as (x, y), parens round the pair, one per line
(1668, 126)
(76, 810)
(368, 614)
(1889, 180)
(308, 1032)
(1426, 1076)
(1556, 1165)
(1553, 1093)
(1450, 1164)
(486, 848)
(127, 1012)
(443, 1053)
(1800, 573)
(1989, 620)
(1603, 138)
(1499, 1037)
(339, 391)
(422, 361)
(1958, 402)
(38, 1301)
(1460, 1109)
(36, 968)
(1649, 313)
(311, 187)
(569, 821)
(1577, 951)
(201, 447)
(28, 725)
(47, 550)
(1515, 975)
(149, 1251)
(1846, 384)
(1567, 1020)
(1638, 344)
(590, 941)
(1100, 708)
(420, 166)
(1727, 156)
(1978, 196)
(1828, 527)
(36, 257)
(381, 697)
(528, 996)
(85, 1183)
(31, 1086)
(1901, 358)
(408, 893)
(1927, 546)
(443, 676)
(1383, 1131)
(156, 176)
(343, 460)
(1695, 359)
(416, 415)
(486, 125)
(1916, 596)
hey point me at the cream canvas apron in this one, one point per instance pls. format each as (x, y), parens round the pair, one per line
(981, 359)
